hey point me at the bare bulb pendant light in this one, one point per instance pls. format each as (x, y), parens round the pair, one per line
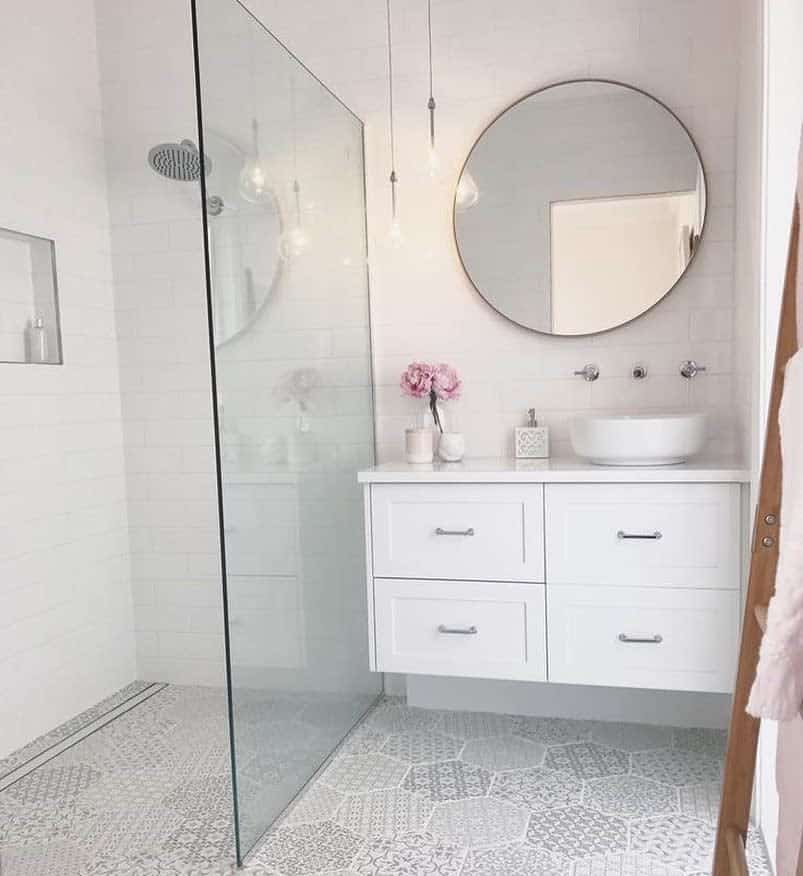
(295, 241)
(395, 227)
(434, 163)
(253, 179)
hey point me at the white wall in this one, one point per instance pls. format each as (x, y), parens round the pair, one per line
(65, 604)
(485, 57)
(148, 91)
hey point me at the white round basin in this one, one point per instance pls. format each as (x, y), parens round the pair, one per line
(638, 439)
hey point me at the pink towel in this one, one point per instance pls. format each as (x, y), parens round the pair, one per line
(778, 689)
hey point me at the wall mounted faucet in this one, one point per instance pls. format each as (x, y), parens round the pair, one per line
(588, 372)
(690, 368)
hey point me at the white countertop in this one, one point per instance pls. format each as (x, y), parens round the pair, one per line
(554, 470)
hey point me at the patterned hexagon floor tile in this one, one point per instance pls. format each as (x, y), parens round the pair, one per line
(701, 740)
(758, 861)
(393, 718)
(631, 737)
(475, 725)
(630, 796)
(43, 860)
(537, 788)
(57, 783)
(701, 801)
(552, 731)
(518, 859)
(422, 746)
(577, 832)
(587, 760)
(448, 780)
(479, 822)
(318, 803)
(675, 767)
(678, 840)
(384, 813)
(627, 864)
(409, 855)
(355, 773)
(503, 753)
(363, 740)
(307, 848)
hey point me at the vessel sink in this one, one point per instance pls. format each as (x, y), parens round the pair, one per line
(638, 439)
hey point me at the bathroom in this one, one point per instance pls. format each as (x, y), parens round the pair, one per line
(203, 436)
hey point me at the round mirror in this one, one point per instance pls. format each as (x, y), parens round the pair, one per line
(580, 207)
(244, 239)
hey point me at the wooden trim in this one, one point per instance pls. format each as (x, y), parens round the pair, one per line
(737, 854)
(740, 759)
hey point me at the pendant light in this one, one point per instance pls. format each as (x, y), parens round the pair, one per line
(395, 227)
(434, 163)
(253, 179)
(294, 241)
(467, 193)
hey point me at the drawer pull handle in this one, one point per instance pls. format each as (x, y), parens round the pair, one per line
(458, 631)
(649, 536)
(640, 640)
(469, 531)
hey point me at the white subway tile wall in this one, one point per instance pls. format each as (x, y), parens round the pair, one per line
(65, 602)
(485, 57)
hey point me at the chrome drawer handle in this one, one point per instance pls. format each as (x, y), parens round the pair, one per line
(469, 531)
(650, 536)
(458, 631)
(640, 640)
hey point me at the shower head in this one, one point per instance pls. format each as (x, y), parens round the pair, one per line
(179, 161)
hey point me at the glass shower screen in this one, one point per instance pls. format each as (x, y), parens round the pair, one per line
(286, 271)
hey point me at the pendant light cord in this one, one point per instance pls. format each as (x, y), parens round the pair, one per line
(393, 177)
(431, 101)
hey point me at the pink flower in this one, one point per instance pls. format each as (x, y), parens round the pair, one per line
(445, 382)
(416, 381)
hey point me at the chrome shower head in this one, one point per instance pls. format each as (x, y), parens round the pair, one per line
(178, 161)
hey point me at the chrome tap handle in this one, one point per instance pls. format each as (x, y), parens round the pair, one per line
(690, 368)
(588, 372)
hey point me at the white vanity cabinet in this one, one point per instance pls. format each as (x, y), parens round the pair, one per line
(560, 572)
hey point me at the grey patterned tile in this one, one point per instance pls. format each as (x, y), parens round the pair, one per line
(390, 718)
(630, 796)
(43, 859)
(677, 840)
(518, 859)
(537, 788)
(475, 725)
(587, 760)
(318, 803)
(627, 864)
(448, 780)
(631, 737)
(308, 848)
(478, 822)
(422, 746)
(410, 855)
(701, 740)
(675, 767)
(758, 860)
(701, 801)
(553, 731)
(385, 813)
(354, 773)
(363, 740)
(503, 753)
(57, 783)
(577, 832)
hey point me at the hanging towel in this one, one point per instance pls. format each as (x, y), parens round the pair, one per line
(778, 688)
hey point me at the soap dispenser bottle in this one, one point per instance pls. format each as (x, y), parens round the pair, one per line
(37, 340)
(532, 440)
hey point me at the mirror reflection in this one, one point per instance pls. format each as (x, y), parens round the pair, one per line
(590, 202)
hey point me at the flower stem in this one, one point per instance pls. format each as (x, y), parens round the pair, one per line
(433, 406)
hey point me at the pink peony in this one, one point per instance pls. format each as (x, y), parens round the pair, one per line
(416, 381)
(445, 382)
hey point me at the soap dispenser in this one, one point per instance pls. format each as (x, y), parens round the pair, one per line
(532, 440)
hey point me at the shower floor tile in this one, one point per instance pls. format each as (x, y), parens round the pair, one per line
(410, 792)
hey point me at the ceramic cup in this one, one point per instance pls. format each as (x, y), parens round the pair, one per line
(452, 446)
(418, 446)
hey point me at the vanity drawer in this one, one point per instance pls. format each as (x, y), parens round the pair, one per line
(667, 535)
(477, 532)
(479, 629)
(643, 637)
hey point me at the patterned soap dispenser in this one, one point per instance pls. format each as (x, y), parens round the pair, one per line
(532, 440)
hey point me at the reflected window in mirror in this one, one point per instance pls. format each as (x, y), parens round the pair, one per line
(592, 201)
